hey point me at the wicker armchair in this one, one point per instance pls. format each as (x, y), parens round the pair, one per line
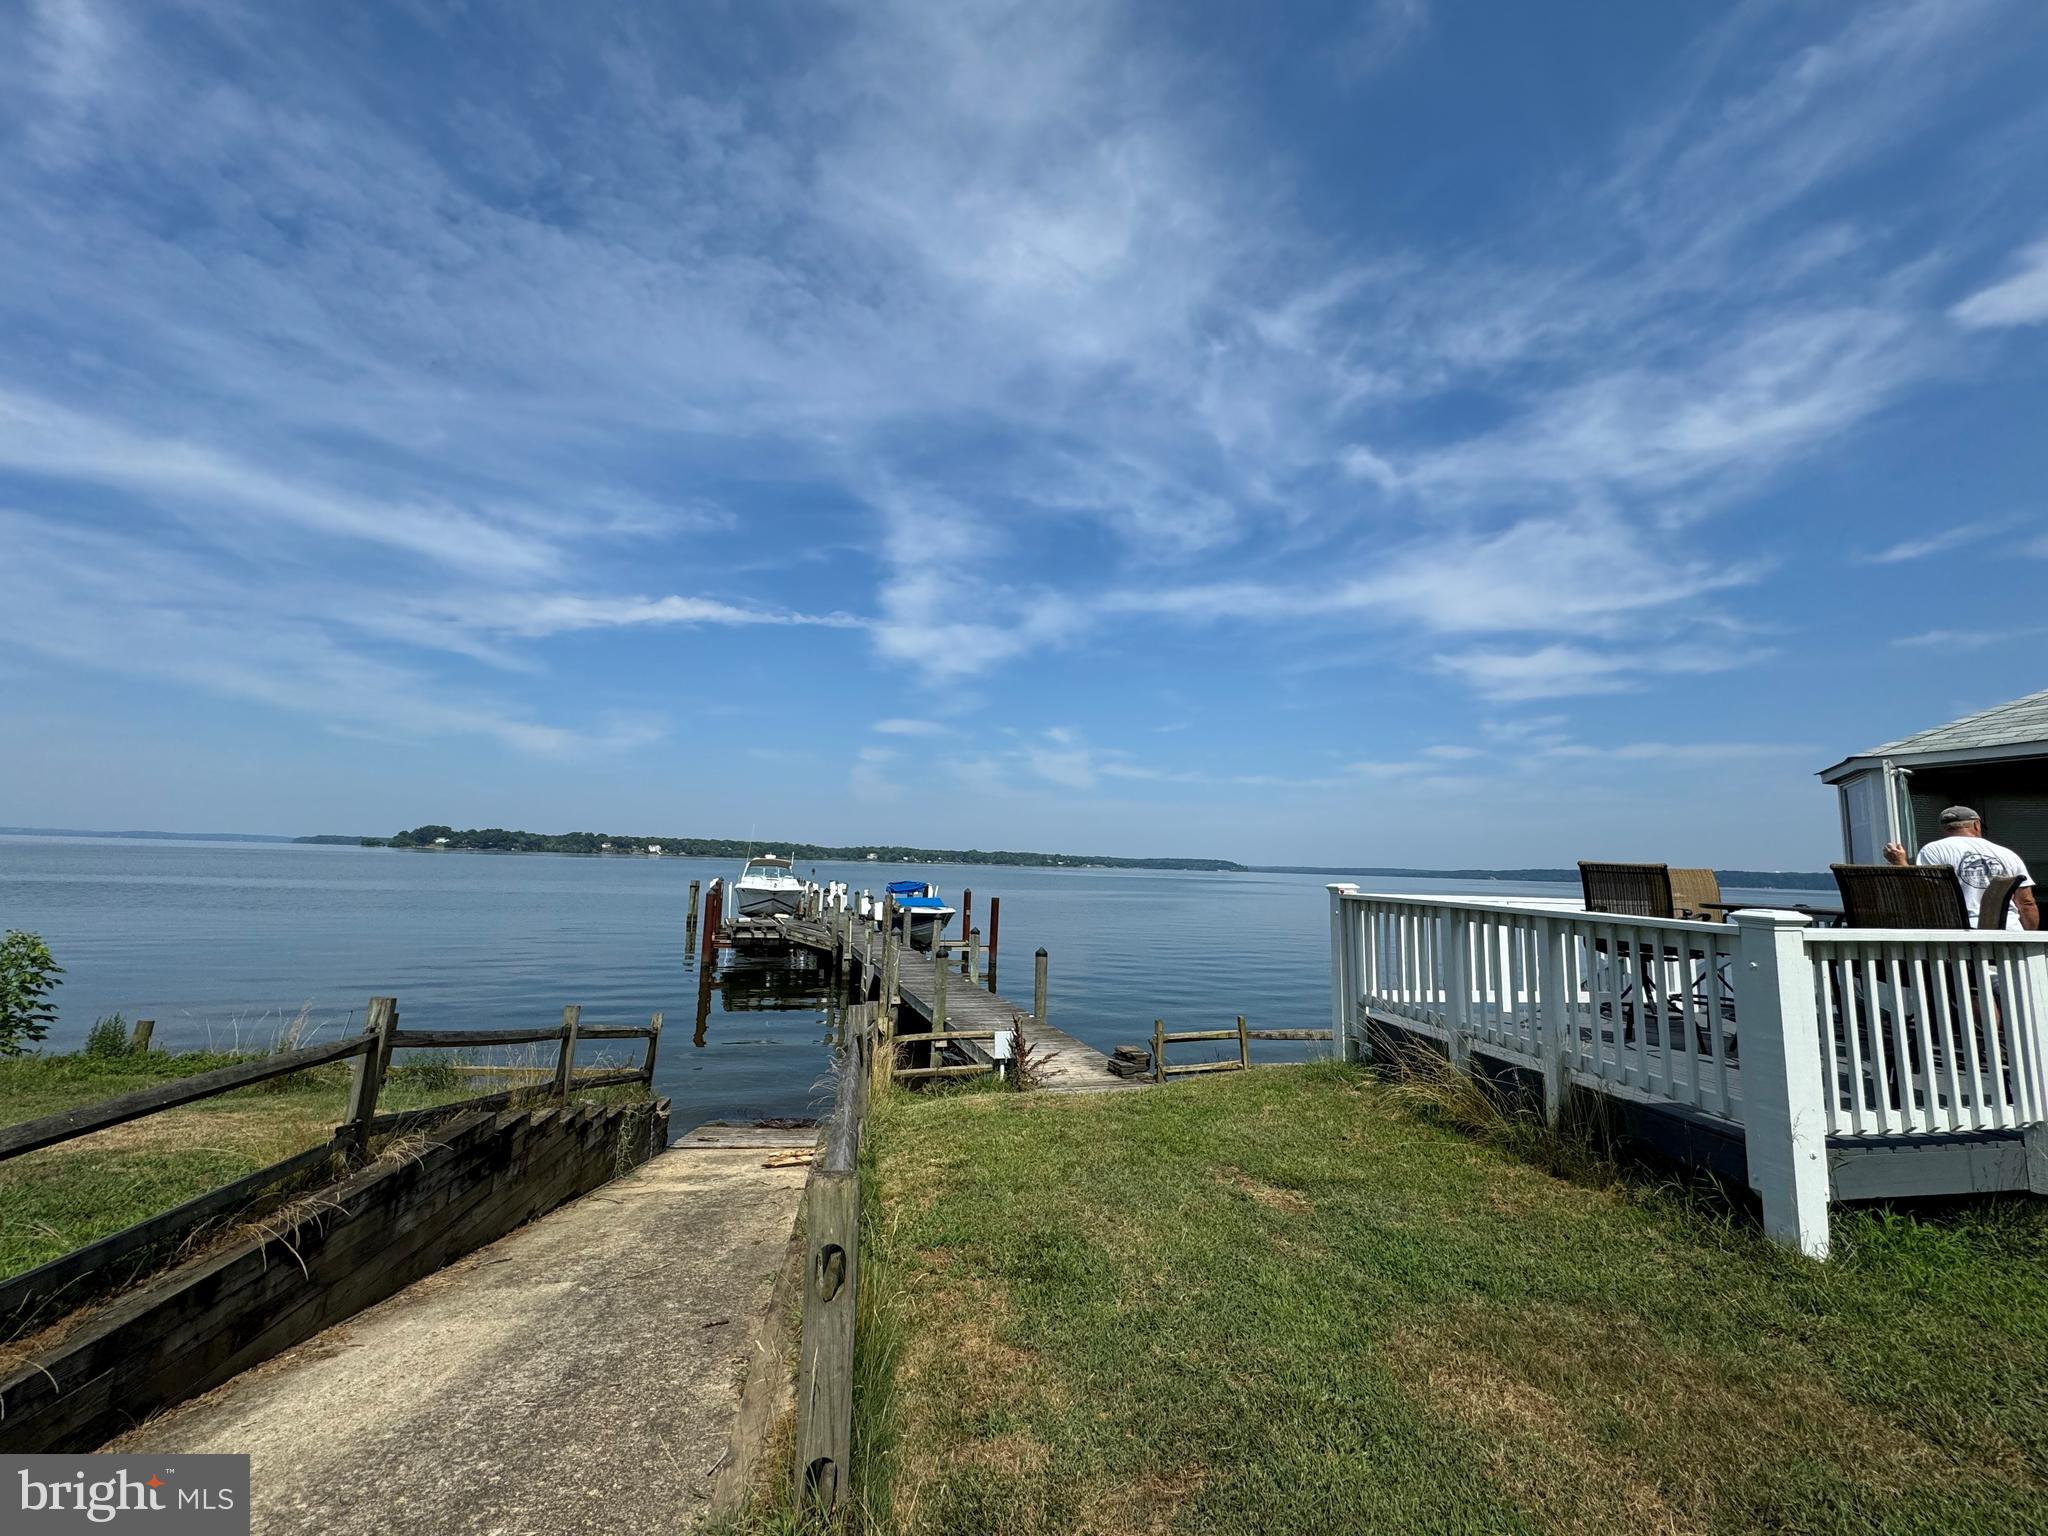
(1998, 895)
(1900, 896)
(1627, 890)
(1696, 893)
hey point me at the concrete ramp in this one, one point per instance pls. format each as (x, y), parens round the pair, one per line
(580, 1375)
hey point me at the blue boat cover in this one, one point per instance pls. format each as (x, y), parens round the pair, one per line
(909, 887)
(921, 904)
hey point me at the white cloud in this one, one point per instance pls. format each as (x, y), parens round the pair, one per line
(1961, 535)
(2019, 299)
(1382, 32)
(903, 727)
(1562, 670)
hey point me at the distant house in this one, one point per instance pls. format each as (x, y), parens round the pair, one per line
(655, 849)
(604, 847)
(440, 842)
(1995, 761)
(872, 857)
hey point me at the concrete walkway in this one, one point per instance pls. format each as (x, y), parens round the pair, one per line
(580, 1375)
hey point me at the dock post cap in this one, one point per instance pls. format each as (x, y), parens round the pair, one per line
(1041, 951)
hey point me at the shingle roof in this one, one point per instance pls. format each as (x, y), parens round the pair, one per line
(2023, 720)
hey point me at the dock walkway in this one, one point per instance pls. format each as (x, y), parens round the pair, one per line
(1065, 1064)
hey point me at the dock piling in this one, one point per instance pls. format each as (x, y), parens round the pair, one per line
(995, 929)
(690, 922)
(972, 967)
(1159, 1050)
(938, 1002)
(138, 1042)
(1244, 1044)
(1038, 988)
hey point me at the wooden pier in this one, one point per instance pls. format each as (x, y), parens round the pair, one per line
(1060, 1062)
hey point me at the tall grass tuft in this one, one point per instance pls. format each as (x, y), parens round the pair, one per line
(1578, 1147)
(108, 1036)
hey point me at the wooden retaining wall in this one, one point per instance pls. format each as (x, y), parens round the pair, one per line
(324, 1258)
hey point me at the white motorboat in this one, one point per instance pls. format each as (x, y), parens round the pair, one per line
(768, 887)
(921, 913)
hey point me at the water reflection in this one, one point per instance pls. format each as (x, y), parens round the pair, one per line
(795, 981)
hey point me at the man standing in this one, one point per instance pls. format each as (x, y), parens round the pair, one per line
(1977, 861)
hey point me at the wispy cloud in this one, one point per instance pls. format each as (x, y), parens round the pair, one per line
(1381, 33)
(905, 727)
(2021, 298)
(1031, 316)
(1958, 537)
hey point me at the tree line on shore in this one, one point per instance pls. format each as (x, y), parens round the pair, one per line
(504, 840)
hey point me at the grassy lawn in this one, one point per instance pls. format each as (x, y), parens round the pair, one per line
(1282, 1302)
(57, 1199)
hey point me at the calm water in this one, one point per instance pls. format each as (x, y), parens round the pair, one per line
(222, 943)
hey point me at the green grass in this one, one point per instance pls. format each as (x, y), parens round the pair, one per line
(1294, 1301)
(65, 1196)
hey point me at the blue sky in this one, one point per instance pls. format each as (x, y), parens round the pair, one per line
(1397, 432)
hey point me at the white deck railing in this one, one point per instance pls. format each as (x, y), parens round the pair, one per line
(1791, 1033)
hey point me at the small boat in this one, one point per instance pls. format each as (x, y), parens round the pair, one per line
(921, 914)
(768, 887)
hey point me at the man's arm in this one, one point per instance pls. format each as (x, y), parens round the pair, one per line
(1894, 854)
(2029, 909)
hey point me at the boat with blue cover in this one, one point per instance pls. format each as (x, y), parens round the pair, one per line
(921, 914)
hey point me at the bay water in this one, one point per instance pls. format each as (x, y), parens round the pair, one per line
(226, 945)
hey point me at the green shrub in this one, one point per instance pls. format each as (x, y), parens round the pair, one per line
(28, 975)
(109, 1037)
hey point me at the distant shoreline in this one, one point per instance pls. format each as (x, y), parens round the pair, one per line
(731, 848)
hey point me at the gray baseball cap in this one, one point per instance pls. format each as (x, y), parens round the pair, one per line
(1959, 815)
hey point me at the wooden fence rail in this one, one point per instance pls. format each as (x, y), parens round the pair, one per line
(1162, 1037)
(31, 1292)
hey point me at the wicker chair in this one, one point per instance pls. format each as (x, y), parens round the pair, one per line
(1696, 893)
(1628, 890)
(1997, 901)
(1650, 890)
(1900, 896)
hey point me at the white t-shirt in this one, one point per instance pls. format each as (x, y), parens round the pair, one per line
(1977, 862)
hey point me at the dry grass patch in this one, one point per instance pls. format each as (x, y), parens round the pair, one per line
(1271, 1196)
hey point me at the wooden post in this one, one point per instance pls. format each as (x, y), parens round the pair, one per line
(938, 1005)
(1244, 1044)
(1038, 990)
(653, 1046)
(1159, 1050)
(995, 929)
(138, 1042)
(1784, 1089)
(973, 966)
(891, 958)
(714, 914)
(565, 1064)
(367, 1080)
(690, 922)
(966, 912)
(824, 1382)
